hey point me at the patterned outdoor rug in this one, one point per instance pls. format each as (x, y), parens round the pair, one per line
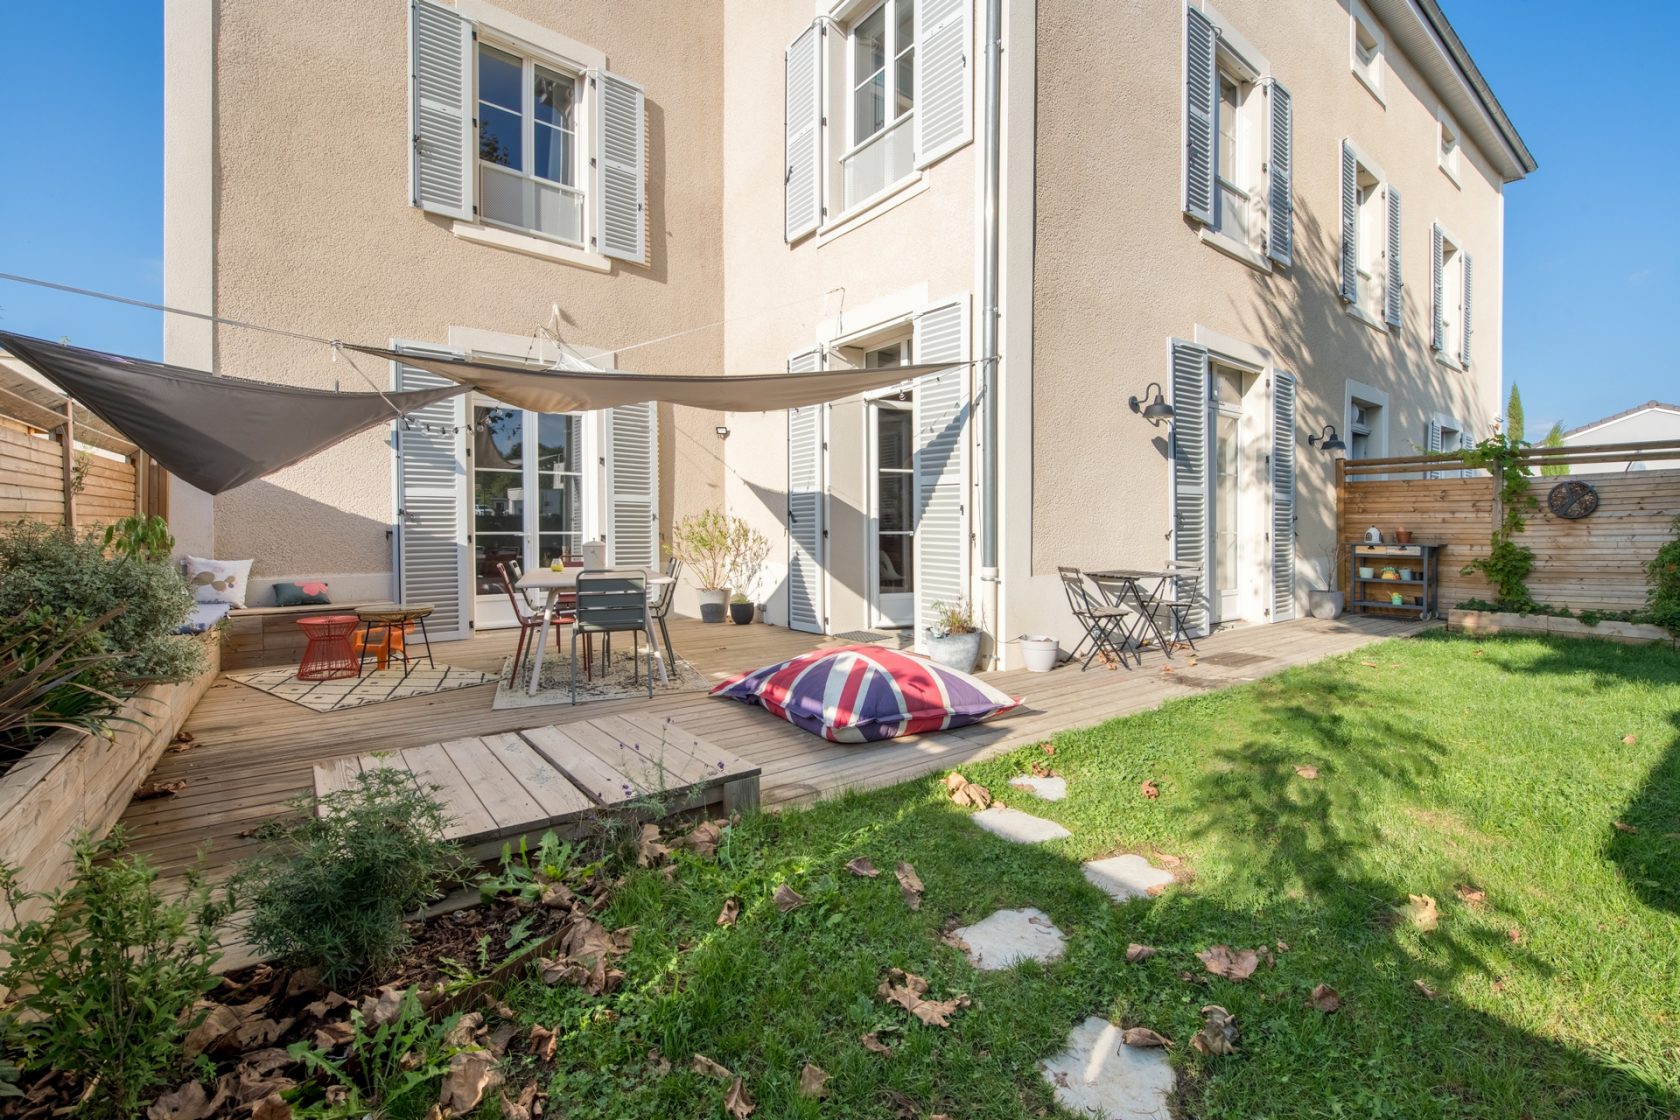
(555, 687)
(352, 692)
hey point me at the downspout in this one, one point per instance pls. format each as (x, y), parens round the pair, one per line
(991, 159)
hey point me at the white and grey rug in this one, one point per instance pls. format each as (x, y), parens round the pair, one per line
(623, 677)
(352, 692)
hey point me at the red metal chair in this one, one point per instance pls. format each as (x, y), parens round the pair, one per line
(531, 620)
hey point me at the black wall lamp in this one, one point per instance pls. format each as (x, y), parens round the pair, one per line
(1327, 440)
(1156, 410)
(722, 431)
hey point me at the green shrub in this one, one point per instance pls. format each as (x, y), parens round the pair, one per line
(391, 1069)
(51, 666)
(334, 887)
(103, 985)
(1663, 572)
(144, 538)
(52, 568)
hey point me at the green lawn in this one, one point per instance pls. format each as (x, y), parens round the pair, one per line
(1498, 765)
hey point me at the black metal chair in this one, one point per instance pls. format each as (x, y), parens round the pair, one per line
(612, 603)
(1184, 597)
(1103, 622)
(659, 605)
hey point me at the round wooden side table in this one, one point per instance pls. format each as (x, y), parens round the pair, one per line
(396, 621)
(328, 655)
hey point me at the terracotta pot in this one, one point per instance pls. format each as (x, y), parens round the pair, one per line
(1402, 536)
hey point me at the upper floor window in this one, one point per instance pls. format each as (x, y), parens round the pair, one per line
(1366, 45)
(1370, 251)
(1452, 299)
(1237, 166)
(527, 146)
(1447, 146)
(882, 57)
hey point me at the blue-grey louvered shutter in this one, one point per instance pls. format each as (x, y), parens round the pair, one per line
(633, 485)
(431, 531)
(1437, 290)
(806, 510)
(1433, 446)
(1201, 98)
(802, 174)
(620, 169)
(942, 412)
(1283, 496)
(1190, 466)
(1392, 291)
(440, 115)
(1279, 163)
(1350, 224)
(944, 103)
(1464, 352)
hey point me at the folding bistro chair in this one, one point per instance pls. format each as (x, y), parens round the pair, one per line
(1102, 622)
(612, 603)
(530, 620)
(1185, 596)
(659, 604)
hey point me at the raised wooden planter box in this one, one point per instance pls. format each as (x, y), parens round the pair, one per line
(75, 782)
(1502, 622)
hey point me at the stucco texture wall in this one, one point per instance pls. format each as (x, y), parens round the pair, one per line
(314, 233)
(1119, 270)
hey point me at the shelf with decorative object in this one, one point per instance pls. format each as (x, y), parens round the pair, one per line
(1422, 587)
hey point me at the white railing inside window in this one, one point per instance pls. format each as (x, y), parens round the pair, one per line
(530, 205)
(1235, 217)
(879, 161)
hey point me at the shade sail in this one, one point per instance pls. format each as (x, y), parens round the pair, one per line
(213, 432)
(545, 389)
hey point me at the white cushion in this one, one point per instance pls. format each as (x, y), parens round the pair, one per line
(218, 581)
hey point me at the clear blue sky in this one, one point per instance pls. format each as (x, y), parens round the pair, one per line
(1592, 240)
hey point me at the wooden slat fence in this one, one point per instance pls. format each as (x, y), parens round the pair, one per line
(1595, 563)
(33, 480)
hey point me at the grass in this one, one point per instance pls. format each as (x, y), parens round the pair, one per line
(1498, 765)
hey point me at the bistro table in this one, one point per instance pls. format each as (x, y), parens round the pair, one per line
(1121, 584)
(555, 584)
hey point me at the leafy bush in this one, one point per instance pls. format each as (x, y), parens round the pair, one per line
(102, 987)
(951, 619)
(385, 1067)
(1663, 571)
(334, 889)
(48, 665)
(1507, 564)
(53, 568)
(526, 875)
(720, 550)
(144, 538)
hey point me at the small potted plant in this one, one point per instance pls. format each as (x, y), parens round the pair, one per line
(748, 549)
(953, 639)
(701, 542)
(741, 609)
(1329, 602)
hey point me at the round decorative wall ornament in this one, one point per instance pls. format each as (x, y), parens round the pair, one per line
(1572, 500)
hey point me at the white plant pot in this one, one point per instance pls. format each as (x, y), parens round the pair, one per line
(1039, 653)
(956, 651)
(1326, 604)
(714, 602)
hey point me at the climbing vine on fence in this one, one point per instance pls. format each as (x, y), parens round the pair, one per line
(1507, 564)
(1664, 572)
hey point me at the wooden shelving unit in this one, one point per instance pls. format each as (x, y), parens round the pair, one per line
(1420, 593)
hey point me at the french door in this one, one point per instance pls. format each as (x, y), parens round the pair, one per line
(892, 497)
(527, 491)
(1225, 526)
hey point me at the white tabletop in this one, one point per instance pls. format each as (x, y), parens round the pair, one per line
(546, 579)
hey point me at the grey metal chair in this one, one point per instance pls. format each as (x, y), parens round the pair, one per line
(659, 604)
(1183, 598)
(612, 603)
(1103, 622)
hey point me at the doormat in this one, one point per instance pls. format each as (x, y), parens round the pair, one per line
(890, 639)
(353, 692)
(625, 677)
(1233, 659)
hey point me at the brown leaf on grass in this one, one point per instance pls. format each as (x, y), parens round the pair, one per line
(1325, 999)
(1144, 1039)
(909, 885)
(219, 1022)
(730, 912)
(272, 1107)
(1047, 748)
(1218, 1036)
(657, 1063)
(382, 1005)
(813, 1081)
(965, 792)
(1310, 773)
(1235, 965)
(1470, 894)
(649, 850)
(703, 838)
(542, 1042)
(949, 937)
(151, 791)
(1369, 664)
(1420, 910)
(520, 1107)
(862, 867)
(1513, 935)
(1042, 770)
(738, 1102)
(1148, 788)
(704, 1065)
(471, 1074)
(907, 990)
(1621, 826)
(189, 1102)
(1136, 953)
(1630, 740)
(786, 898)
(872, 1043)
(330, 1036)
(1283, 946)
(1428, 992)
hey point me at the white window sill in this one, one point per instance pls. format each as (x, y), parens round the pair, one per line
(1365, 317)
(1447, 170)
(872, 207)
(1373, 86)
(531, 246)
(1449, 360)
(1234, 249)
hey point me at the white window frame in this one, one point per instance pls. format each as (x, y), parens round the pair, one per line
(1237, 58)
(1368, 71)
(1449, 160)
(1371, 247)
(529, 62)
(1359, 395)
(882, 135)
(1452, 299)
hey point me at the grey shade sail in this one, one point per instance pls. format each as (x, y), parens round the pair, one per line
(213, 432)
(546, 389)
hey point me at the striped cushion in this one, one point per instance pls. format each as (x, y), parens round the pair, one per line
(862, 694)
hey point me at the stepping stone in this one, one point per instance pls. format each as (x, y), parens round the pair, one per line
(1047, 789)
(1124, 878)
(1098, 1075)
(1011, 936)
(1022, 828)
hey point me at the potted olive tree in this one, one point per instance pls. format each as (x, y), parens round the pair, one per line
(1328, 603)
(701, 542)
(953, 638)
(748, 549)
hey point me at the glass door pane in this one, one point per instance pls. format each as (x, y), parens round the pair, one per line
(559, 488)
(1226, 479)
(894, 521)
(498, 494)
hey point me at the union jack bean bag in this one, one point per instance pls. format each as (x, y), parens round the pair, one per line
(864, 694)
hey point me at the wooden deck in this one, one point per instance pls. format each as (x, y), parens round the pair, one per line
(251, 752)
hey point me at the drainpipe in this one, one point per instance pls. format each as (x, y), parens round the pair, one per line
(991, 158)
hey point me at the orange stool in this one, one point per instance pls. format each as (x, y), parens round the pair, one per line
(389, 640)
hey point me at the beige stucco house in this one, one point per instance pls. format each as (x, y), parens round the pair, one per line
(1284, 216)
(1643, 423)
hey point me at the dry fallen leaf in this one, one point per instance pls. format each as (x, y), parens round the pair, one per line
(189, 1102)
(1369, 664)
(271, 1107)
(1428, 992)
(813, 1081)
(1041, 770)
(1620, 826)
(471, 1073)
(872, 1043)
(786, 898)
(1233, 964)
(1630, 740)
(863, 867)
(1420, 910)
(543, 1042)
(907, 990)
(1513, 935)
(1310, 773)
(1148, 788)
(705, 1065)
(1471, 894)
(965, 792)
(1283, 946)
(1136, 953)
(1047, 748)
(950, 938)
(153, 790)
(909, 885)
(520, 1108)
(1218, 1035)
(738, 1102)
(649, 850)
(731, 911)
(1143, 1038)
(703, 838)
(1325, 998)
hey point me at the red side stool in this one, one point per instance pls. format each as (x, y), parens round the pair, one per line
(328, 655)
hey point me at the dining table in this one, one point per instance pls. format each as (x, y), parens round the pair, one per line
(557, 583)
(1124, 587)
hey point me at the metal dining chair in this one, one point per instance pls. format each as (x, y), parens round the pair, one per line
(1103, 622)
(659, 604)
(612, 603)
(1183, 598)
(530, 621)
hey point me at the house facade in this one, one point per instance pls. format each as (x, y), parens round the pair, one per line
(1282, 218)
(1645, 423)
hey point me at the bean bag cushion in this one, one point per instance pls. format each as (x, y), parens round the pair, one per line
(863, 694)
